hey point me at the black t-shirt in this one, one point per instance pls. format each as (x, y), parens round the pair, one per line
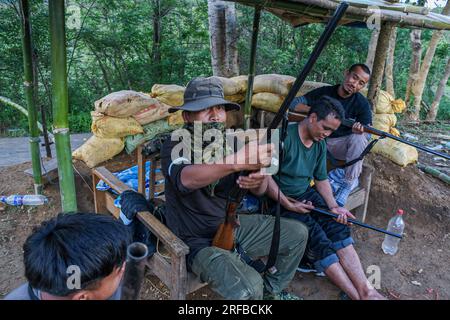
(193, 215)
(356, 107)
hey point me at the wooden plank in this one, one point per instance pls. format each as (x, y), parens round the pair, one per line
(109, 203)
(355, 199)
(178, 278)
(49, 171)
(141, 170)
(366, 183)
(170, 240)
(99, 196)
(104, 174)
(160, 268)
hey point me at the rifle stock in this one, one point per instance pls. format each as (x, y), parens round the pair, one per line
(224, 237)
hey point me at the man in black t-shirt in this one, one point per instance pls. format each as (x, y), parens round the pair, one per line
(196, 196)
(345, 143)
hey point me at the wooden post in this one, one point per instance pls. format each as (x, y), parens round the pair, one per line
(379, 62)
(30, 94)
(60, 102)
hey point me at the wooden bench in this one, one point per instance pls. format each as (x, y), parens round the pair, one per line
(172, 272)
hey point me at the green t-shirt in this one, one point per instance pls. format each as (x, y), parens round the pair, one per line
(300, 164)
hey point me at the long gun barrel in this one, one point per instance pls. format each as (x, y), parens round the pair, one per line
(358, 223)
(349, 123)
(137, 254)
(297, 117)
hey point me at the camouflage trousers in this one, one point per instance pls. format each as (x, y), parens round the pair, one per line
(232, 278)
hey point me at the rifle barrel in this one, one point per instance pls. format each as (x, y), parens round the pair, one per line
(358, 223)
(137, 254)
(349, 123)
(323, 40)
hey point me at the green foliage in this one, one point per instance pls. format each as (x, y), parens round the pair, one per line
(114, 50)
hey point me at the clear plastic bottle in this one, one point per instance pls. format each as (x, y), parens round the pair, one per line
(396, 225)
(28, 200)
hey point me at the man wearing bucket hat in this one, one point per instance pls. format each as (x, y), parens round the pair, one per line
(196, 196)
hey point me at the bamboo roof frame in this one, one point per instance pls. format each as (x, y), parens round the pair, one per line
(301, 12)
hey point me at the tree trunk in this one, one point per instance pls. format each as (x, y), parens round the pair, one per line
(431, 116)
(372, 48)
(414, 67)
(156, 46)
(418, 86)
(379, 61)
(102, 68)
(223, 38)
(389, 74)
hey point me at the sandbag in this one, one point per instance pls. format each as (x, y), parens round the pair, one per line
(267, 101)
(230, 87)
(97, 150)
(400, 153)
(398, 106)
(389, 120)
(150, 131)
(123, 104)
(238, 98)
(111, 127)
(272, 83)
(242, 82)
(154, 112)
(310, 86)
(170, 94)
(383, 103)
(394, 132)
(175, 118)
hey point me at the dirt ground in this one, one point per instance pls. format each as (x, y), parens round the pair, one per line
(418, 271)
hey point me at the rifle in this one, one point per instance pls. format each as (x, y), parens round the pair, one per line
(137, 254)
(356, 222)
(224, 237)
(297, 117)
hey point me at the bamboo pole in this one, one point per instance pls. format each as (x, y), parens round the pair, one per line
(380, 61)
(60, 104)
(252, 67)
(30, 96)
(10, 103)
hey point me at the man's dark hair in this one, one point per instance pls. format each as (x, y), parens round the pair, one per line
(326, 106)
(365, 68)
(95, 243)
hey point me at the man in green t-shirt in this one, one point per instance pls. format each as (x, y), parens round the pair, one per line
(330, 245)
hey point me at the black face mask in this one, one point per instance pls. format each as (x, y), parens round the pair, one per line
(220, 126)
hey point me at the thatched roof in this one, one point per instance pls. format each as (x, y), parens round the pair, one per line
(301, 12)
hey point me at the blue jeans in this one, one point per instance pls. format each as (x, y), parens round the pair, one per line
(326, 236)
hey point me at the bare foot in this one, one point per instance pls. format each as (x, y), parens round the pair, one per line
(373, 295)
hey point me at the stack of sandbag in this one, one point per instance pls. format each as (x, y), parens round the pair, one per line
(385, 120)
(172, 95)
(117, 116)
(270, 90)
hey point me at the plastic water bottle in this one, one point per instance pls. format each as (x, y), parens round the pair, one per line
(396, 225)
(28, 200)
